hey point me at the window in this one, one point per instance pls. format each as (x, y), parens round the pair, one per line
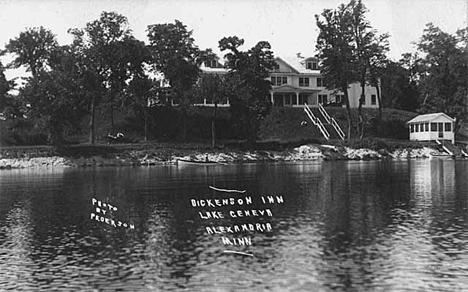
(211, 64)
(426, 127)
(312, 66)
(322, 98)
(421, 127)
(320, 82)
(433, 127)
(412, 128)
(448, 127)
(279, 80)
(416, 128)
(373, 99)
(276, 66)
(304, 81)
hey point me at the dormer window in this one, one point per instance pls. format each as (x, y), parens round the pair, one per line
(211, 64)
(312, 65)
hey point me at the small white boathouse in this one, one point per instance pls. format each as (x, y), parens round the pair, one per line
(432, 127)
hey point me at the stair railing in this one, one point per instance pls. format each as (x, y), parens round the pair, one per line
(316, 121)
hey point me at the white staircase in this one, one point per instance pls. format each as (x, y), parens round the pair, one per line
(316, 121)
(331, 121)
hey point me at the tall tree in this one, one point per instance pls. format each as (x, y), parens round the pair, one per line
(108, 56)
(32, 48)
(336, 52)
(55, 97)
(443, 72)
(398, 87)
(369, 51)
(250, 70)
(212, 87)
(377, 63)
(175, 54)
(7, 103)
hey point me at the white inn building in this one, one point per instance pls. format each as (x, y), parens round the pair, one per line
(296, 81)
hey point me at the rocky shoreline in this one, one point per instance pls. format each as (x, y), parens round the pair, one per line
(146, 158)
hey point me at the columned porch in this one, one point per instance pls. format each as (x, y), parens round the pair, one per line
(288, 96)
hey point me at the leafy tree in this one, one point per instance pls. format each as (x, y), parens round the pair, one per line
(54, 98)
(175, 54)
(398, 87)
(8, 105)
(108, 57)
(139, 91)
(32, 48)
(351, 50)
(212, 87)
(369, 52)
(377, 63)
(443, 72)
(336, 52)
(248, 72)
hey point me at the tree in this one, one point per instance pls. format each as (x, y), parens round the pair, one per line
(398, 86)
(54, 98)
(212, 87)
(443, 72)
(377, 63)
(32, 48)
(369, 52)
(351, 50)
(336, 52)
(249, 69)
(8, 105)
(175, 54)
(108, 57)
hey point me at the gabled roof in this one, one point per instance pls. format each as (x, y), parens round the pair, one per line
(287, 64)
(298, 64)
(429, 117)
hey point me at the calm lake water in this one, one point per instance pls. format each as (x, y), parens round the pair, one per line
(342, 226)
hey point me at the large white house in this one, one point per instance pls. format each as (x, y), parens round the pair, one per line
(296, 81)
(431, 127)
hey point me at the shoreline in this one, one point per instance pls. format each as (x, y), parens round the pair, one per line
(149, 157)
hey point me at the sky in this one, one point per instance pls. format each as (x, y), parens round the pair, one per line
(289, 25)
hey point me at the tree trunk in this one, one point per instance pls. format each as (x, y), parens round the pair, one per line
(184, 123)
(377, 89)
(213, 126)
(344, 88)
(146, 124)
(360, 116)
(112, 115)
(91, 121)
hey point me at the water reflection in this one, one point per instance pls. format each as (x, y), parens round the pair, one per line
(343, 226)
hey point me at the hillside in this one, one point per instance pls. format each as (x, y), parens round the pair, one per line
(164, 124)
(284, 124)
